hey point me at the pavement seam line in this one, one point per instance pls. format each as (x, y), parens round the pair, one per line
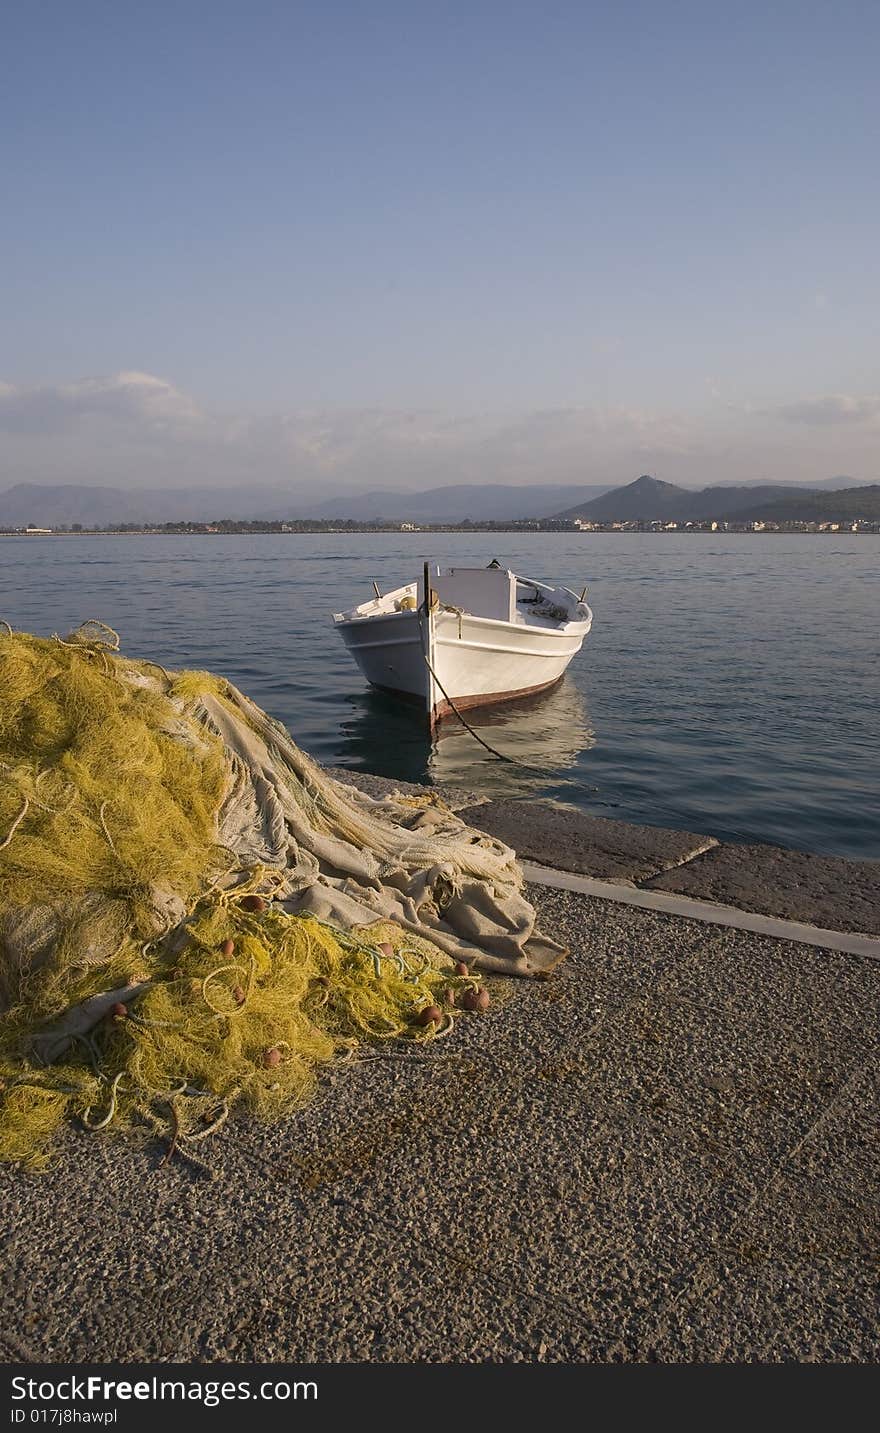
(710, 912)
(711, 843)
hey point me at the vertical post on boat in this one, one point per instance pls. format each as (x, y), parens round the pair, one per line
(426, 621)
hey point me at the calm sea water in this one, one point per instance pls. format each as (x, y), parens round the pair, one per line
(731, 684)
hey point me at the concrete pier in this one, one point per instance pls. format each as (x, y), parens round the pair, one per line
(667, 1152)
(825, 891)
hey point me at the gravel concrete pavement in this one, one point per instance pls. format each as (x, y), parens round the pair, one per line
(666, 1152)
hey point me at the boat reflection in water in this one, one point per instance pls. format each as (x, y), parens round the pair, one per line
(547, 731)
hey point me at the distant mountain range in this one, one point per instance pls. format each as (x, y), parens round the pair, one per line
(484, 503)
(651, 500)
(30, 504)
(647, 499)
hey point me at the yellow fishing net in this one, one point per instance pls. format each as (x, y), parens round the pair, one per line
(194, 916)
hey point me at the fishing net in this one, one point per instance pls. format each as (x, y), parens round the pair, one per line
(194, 915)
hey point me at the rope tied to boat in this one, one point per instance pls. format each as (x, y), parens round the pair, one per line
(493, 751)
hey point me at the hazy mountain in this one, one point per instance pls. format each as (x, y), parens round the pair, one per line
(32, 504)
(647, 499)
(832, 484)
(29, 504)
(826, 484)
(484, 503)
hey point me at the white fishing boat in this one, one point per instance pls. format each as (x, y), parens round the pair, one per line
(463, 637)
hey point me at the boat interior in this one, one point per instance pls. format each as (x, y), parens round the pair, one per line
(493, 592)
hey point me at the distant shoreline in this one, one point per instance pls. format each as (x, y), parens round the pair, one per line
(260, 530)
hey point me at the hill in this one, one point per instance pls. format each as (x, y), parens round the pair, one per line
(846, 504)
(650, 500)
(645, 495)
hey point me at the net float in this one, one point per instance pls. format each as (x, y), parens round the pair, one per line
(119, 1010)
(272, 1058)
(431, 1015)
(228, 947)
(461, 968)
(253, 903)
(238, 995)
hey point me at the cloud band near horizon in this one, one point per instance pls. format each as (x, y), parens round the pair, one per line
(133, 428)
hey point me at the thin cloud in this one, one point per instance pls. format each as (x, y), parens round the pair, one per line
(127, 397)
(832, 408)
(136, 424)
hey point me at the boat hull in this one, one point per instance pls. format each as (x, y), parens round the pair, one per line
(390, 653)
(447, 660)
(444, 708)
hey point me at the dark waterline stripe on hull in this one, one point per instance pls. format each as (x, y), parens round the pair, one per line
(443, 710)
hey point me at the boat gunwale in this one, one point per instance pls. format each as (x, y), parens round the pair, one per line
(563, 629)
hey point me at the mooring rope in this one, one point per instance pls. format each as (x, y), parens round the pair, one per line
(493, 751)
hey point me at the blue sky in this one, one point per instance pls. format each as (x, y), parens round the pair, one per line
(399, 243)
